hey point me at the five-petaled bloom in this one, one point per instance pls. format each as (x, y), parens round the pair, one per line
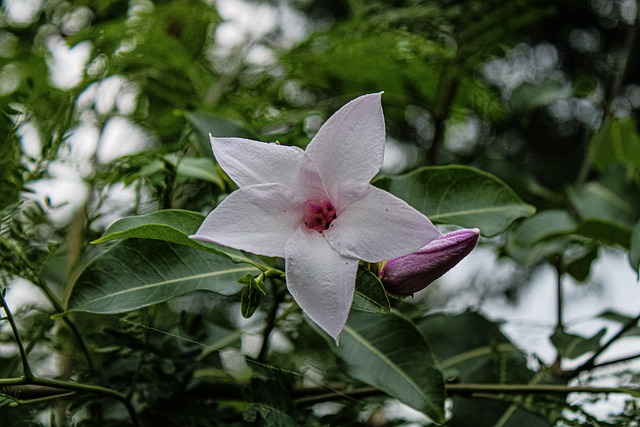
(317, 209)
(410, 273)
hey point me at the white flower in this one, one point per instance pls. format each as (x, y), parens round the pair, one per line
(317, 209)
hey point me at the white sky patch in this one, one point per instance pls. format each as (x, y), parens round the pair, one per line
(66, 65)
(121, 137)
(22, 12)
(66, 195)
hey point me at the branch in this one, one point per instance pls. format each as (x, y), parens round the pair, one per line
(26, 368)
(591, 362)
(472, 389)
(56, 386)
(319, 395)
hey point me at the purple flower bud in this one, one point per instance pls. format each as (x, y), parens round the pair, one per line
(412, 273)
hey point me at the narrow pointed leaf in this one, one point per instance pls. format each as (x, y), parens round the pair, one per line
(137, 273)
(572, 346)
(459, 195)
(370, 295)
(170, 225)
(389, 353)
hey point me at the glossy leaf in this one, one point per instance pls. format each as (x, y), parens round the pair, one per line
(170, 225)
(370, 295)
(390, 354)
(138, 273)
(459, 195)
(572, 346)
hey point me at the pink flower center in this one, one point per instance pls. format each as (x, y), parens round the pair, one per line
(319, 215)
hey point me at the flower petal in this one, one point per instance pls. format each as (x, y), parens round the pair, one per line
(320, 279)
(379, 226)
(349, 148)
(250, 162)
(257, 218)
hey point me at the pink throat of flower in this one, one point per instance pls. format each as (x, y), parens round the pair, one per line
(319, 214)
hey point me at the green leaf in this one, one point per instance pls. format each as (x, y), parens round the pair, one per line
(459, 195)
(370, 295)
(271, 417)
(203, 168)
(572, 346)
(528, 97)
(580, 267)
(634, 253)
(540, 236)
(608, 232)
(169, 225)
(8, 401)
(206, 123)
(389, 353)
(471, 349)
(614, 198)
(622, 319)
(617, 142)
(137, 273)
(251, 295)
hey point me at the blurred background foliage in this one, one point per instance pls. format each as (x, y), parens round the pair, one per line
(110, 103)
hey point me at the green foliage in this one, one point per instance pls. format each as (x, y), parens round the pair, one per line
(138, 273)
(459, 195)
(525, 132)
(389, 353)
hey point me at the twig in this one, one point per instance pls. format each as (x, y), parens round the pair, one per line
(26, 368)
(591, 362)
(278, 294)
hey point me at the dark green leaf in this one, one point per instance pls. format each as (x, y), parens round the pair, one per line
(389, 353)
(472, 349)
(608, 232)
(137, 273)
(459, 195)
(580, 267)
(572, 346)
(622, 319)
(617, 142)
(271, 417)
(251, 295)
(207, 124)
(249, 301)
(370, 295)
(170, 225)
(540, 236)
(614, 198)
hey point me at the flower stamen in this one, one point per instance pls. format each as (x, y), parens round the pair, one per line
(319, 214)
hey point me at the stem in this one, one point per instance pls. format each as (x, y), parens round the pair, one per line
(26, 368)
(471, 389)
(271, 322)
(57, 305)
(319, 395)
(558, 263)
(629, 47)
(591, 362)
(58, 385)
